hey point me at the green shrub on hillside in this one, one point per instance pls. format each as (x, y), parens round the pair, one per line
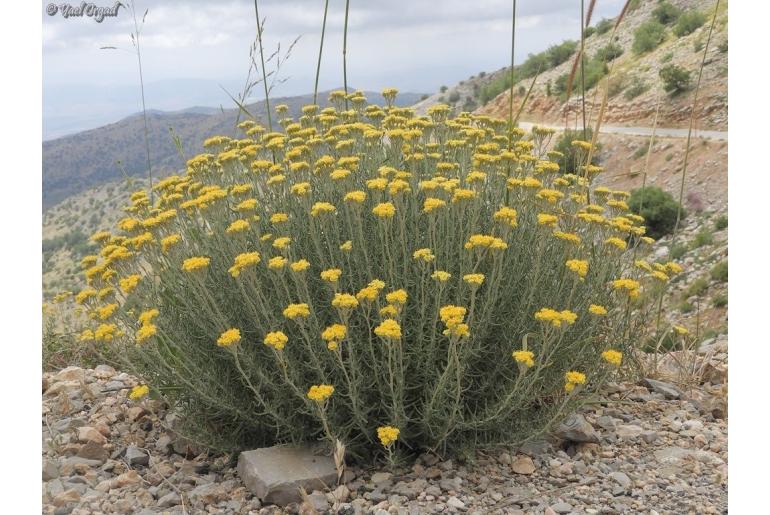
(675, 78)
(688, 23)
(605, 25)
(595, 70)
(609, 52)
(648, 36)
(637, 88)
(657, 207)
(719, 272)
(720, 223)
(666, 13)
(702, 238)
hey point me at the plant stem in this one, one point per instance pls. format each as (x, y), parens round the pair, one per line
(320, 52)
(510, 93)
(264, 71)
(344, 54)
(144, 108)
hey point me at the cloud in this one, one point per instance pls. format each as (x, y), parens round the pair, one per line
(415, 45)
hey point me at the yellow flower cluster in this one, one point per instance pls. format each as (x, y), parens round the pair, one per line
(388, 329)
(243, 261)
(578, 266)
(453, 318)
(296, 311)
(556, 318)
(137, 392)
(195, 263)
(525, 357)
(276, 340)
(229, 337)
(573, 379)
(333, 335)
(387, 435)
(612, 357)
(320, 393)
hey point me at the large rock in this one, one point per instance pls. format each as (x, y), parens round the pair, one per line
(275, 474)
(577, 429)
(667, 390)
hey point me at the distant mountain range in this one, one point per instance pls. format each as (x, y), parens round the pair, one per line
(77, 162)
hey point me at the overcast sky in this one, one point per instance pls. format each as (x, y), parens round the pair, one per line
(191, 47)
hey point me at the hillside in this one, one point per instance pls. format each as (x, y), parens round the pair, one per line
(636, 87)
(75, 163)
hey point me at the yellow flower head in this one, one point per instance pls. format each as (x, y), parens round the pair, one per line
(344, 301)
(229, 337)
(137, 392)
(278, 218)
(681, 330)
(167, 242)
(295, 311)
(277, 263)
(387, 434)
(384, 210)
(333, 335)
(431, 204)
(597, 310)
(556, 318)
(320, 208)
(578, 266)
(195, 263)
(242, 261)
(276, 340)
(397, 297)
(282, 242)
(525, 357)
(474, 279)
(630, 286)
(612, 357)
(423, 255)
(389, 329)
(300, 265)
(145, 332)
(129, 283)
(237, 226)
(617, 242)
(441, 276)
(355, 196)
(331, 275)
(573, 379)
(506, 215)
(320, 393)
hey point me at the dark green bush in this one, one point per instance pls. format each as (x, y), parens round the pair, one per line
(688, 23)
(568, 162)
(720, 223)
(443, 89)
(719, 272)
(637, 88)
(589, 31)
(666, 13)
(677, 251)
(648, 36)
(720, 301)
(697, 288)
(657, 207)
(454, 96)
(675, 78)
(609, 52)
(702, 238)
(605, 25)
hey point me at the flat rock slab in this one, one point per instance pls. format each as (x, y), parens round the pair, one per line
(275, 474)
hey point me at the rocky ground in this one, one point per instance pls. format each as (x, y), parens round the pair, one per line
(658, 450)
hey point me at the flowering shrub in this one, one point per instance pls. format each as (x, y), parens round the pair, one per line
(389, 280)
